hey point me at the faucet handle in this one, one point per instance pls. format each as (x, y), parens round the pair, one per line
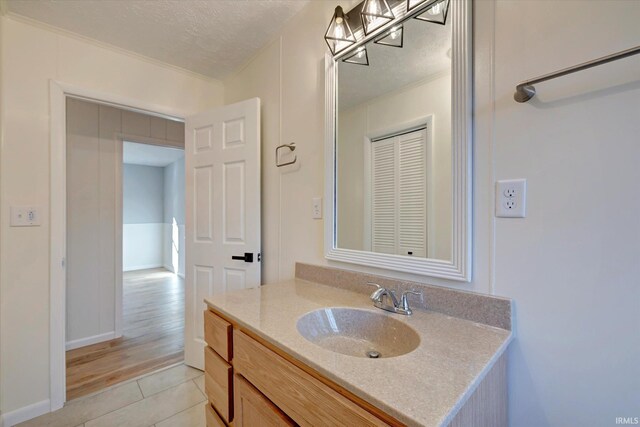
(405, 301)
(374, 284)
(376, 294)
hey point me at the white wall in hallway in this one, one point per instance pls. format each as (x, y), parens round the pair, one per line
(143, 246)
(31, 56)
(173, 225)
(143, 203)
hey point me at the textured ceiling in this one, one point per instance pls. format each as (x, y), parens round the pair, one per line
(210, 37)
(149, 155)
(426, 51)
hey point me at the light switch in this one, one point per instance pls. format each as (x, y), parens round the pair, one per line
(25, 216)
(317, 208)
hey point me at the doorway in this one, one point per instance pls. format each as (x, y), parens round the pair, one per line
(125, 245)
(232, 135)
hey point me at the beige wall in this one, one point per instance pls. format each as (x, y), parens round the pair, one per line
(288, 76)
(571, 265)
(431, 97)
(31, 56)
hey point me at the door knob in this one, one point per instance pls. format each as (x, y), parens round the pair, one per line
(247, 257)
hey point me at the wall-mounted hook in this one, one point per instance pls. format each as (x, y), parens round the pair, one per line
(291, 147)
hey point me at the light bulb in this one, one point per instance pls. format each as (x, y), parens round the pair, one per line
(394, 33)
(436, 9)
(360, 53)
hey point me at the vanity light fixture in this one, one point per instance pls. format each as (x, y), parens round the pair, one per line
(360, 57)
(339, 35)
(412, 4)
(374, 14)
(436, 13)
(394, 37)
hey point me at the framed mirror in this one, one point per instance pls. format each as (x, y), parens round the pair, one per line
(399, 141)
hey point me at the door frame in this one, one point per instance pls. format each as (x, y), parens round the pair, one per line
(58, 93)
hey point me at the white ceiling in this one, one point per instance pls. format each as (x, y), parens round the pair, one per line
(149, 155)
(210, 37)
(426, 51)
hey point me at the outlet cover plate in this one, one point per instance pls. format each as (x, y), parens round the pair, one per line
(316, 208)
(511, 198)
(25, 216)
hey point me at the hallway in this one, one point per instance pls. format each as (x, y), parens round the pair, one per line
(153, 335)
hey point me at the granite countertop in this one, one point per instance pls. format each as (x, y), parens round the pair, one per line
(425, 387)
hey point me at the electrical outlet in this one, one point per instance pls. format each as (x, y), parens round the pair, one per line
(317, 208)
(510, 192)
(510, 204)
(511, 198)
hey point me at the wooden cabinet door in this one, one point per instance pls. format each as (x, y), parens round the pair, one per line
(252, 409)
(218, 383)
(212, 417)
(218, 333)
(304, 398)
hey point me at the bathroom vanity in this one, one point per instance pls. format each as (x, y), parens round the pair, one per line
(275, 355)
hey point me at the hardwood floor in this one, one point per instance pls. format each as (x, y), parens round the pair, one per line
(153, 335)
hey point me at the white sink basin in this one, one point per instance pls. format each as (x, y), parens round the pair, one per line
(359, 333)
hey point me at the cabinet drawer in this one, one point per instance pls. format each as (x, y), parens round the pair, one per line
(252, 409)
(302, 397)
(217, 333)
(213, 419)
(218, 383)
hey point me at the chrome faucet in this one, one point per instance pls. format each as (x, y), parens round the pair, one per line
(395, 306)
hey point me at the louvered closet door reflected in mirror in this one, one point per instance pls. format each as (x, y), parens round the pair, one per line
(397, 197)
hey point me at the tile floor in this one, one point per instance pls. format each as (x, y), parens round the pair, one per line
(173, 397)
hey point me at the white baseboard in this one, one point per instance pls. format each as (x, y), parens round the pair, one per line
(82, 342)
(143, 267)
(10, 419)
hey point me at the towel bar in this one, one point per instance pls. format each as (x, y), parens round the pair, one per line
(525, 90)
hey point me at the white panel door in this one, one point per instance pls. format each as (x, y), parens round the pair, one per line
(222, 159)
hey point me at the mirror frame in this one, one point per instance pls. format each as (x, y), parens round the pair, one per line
(460, 267)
